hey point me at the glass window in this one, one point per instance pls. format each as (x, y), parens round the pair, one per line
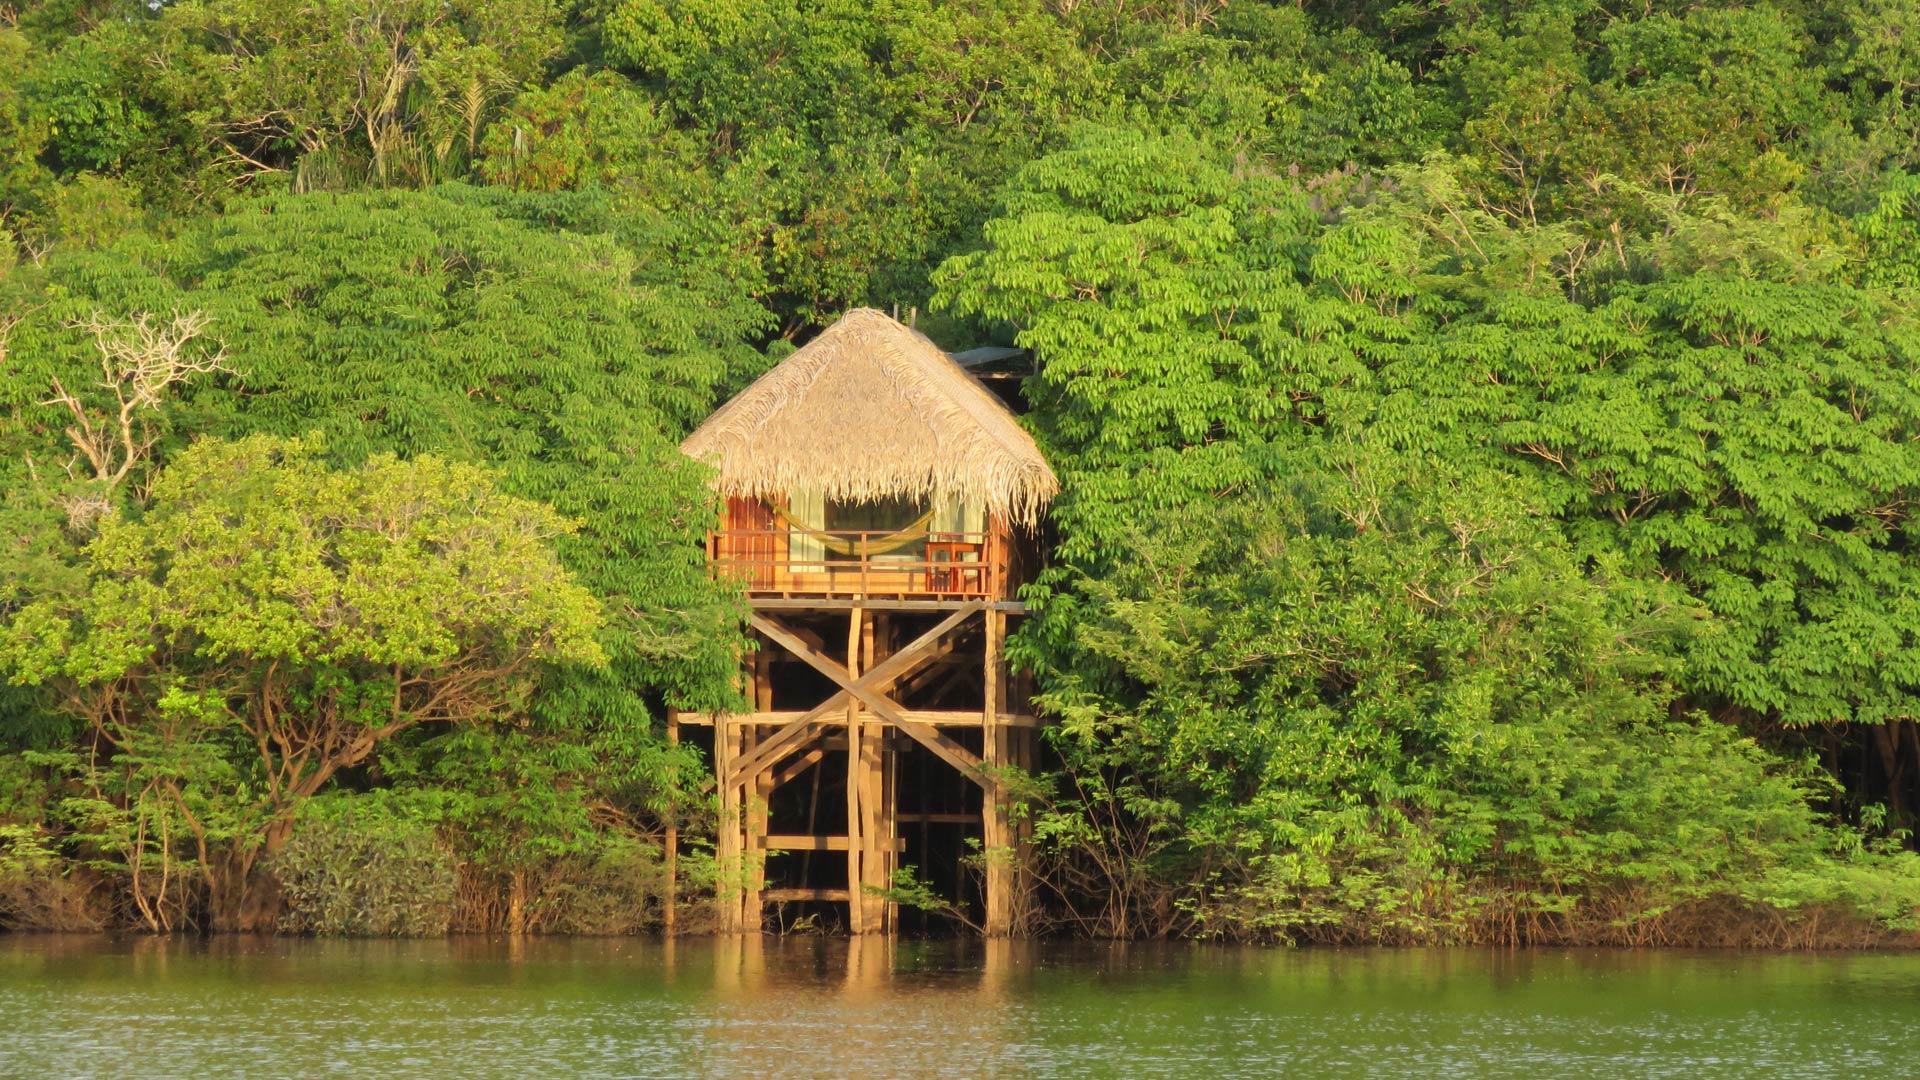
(882, 517)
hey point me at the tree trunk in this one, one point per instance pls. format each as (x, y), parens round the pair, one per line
(517, 904)
(1888, 740)
(240, 897)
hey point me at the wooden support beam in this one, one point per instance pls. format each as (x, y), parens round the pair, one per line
(727, 835)
(802, 763)
(946, 750)
(900, 664)
(763, 680)
(882, 638)
(862, 689)
(995, 840)
(939, 819)
(793, 896)
(931, 717)
(856, 788)
(946, 669)
(810, 636)
(799, 842)
(881, 675)
(757, 820)
(784, 741)
(875, 860)
(890, 822)
(670, 915)
(1023, 754)
(796, 842)
(829, 603)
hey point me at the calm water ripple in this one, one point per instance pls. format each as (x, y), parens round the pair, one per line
(89, 1006)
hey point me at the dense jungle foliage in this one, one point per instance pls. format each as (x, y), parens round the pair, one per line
(1489, 434)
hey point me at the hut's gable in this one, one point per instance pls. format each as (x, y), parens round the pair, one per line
(871, 409)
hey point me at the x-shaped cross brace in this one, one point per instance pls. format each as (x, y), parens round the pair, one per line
(869, 689)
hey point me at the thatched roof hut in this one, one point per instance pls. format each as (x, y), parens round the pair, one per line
(873, 410)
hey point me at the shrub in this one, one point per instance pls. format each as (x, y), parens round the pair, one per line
(618, 889)
(357, 866)
(38, 891)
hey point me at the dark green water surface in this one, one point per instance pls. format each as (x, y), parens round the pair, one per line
(472, 1007)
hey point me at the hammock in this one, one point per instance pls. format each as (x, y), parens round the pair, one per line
(914, 532)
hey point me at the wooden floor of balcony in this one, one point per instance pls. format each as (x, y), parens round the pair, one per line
(787, 602)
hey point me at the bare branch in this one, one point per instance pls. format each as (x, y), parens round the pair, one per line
(140, 358)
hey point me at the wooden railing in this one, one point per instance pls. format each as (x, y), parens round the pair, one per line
(945, 564)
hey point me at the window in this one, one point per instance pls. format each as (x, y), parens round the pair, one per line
(881, 517)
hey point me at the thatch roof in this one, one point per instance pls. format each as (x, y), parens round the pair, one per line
(871, 409)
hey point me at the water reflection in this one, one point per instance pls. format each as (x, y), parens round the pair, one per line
(759, 1006)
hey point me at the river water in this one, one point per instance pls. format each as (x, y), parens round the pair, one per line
(74, 1006)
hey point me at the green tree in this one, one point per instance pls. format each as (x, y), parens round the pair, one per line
(1140, 270)
(434, 322)
(347, 94)
(1377, 702)
(269, 622)
(23, 135)
(584, 129)
(463, 324)
(1723, 438)
(1562, 107)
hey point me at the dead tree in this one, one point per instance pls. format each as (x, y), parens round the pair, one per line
(140, 358)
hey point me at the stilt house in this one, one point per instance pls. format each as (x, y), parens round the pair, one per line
(880, 508)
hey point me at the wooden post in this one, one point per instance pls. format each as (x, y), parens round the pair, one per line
(990, 560)
(763, 679)
(754, 835)
(884, 850)
(890, 825)
(874, 859)
(1022, 745)
(751, 751)
(856, 841)
(996, 838)
(727, 836)
(813, 813)
(670, 912)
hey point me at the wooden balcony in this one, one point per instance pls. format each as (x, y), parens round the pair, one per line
(863, 565)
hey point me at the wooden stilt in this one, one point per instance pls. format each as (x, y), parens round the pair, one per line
(883, 846)
(875, 859)
(1020, 833)
(856, 787)
(890, 825)
(727, 835)
(874, 836)
(758, 752)
(996, 839)
(806, 764)
(763, 680)
(670, 906)
(754, 847)
(758, 791)
(1022, 746)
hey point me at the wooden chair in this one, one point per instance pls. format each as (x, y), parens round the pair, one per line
(954, 564)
